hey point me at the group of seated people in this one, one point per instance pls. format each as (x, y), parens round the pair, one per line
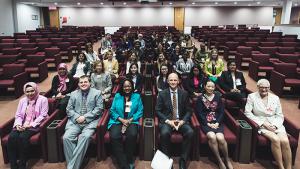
(84, 106)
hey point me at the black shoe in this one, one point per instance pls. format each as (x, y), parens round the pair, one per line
(182, 164)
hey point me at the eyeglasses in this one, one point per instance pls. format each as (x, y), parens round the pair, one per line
(262, 87)
(29, 91)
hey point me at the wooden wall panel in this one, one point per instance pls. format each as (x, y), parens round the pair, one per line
(54, 18)
(179, 18)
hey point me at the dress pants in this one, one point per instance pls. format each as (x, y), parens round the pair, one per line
(123, 153)
(19, 142)
(76, 142)
(165, 139)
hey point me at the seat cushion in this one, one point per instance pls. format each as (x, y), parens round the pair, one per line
(5, 83)
(32, 69)
(265, 68)
(176, 137)
(292, 82)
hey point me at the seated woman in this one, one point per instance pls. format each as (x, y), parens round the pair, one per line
(81, 67)
(125, 112)
(264, 109)
(161, 60)
(176, 55)
(135, 77)
(210, 112)
(184, 64)
(111, 65)
(233, 83)
(62, 84)
(101, 80)
(201, 55)
(195, 82)
(133, 59)
(214, 66)
(90, 55)
(162, 79)
(31, 111)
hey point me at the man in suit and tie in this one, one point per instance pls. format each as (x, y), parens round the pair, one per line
(84, 111)
(174, 113)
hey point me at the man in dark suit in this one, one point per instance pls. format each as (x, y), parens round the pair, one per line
(174, 113)
(233, 83)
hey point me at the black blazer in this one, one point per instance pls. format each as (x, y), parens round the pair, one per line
(55, 83)
(86, 68)
(164, 108)
(139, 82)
(226, 82)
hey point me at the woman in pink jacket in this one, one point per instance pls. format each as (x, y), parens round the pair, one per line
(32, 110)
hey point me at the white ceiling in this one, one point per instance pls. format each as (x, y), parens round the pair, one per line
(160, 3)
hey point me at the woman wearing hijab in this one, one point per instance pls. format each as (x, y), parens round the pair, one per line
(31, 111)
(62, 85)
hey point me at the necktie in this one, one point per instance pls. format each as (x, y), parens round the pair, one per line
(174, 103)
(83, 107)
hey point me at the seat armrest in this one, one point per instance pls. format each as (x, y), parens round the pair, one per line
(291, 128)
(231, 123)
(6, 127)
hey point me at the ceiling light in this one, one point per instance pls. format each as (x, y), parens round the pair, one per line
(32, 3)
(296, 4)
(249, 4)
(216, 3)
(170, 3)
(258, 2)
(193, 3)
(78, 3)
(235, 3)
(55, 3)
(101, 3)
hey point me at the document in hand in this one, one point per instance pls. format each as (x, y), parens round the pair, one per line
(160, 160)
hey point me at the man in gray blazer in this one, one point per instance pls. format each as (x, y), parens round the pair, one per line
(84, 111)
(174, 113)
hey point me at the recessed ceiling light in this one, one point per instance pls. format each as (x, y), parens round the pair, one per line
(296, 4)
(235, 3)
(258, 2)
(216, 3)
(101, 3)
(170, 3)
(193, 3)
(249, 4)
(78, 3)
(55, 3)
(124, 3)
(32, 3)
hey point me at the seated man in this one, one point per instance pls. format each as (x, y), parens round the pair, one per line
(174, 113)
(84, 111)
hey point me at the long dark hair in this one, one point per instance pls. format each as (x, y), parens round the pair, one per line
(201, 74)
(132, 64)
(81, 53)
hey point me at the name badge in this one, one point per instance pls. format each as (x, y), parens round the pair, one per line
(67, 80)
(98, 76)
(238, 82)
(128, 106)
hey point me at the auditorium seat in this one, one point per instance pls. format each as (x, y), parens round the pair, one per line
(96, 141)
(53, 58)
(231, 134)
(243, 57)
(260, 66)
(285, 75)
(261, 145)
(38, 141)
(12, 78)
(36, 67)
